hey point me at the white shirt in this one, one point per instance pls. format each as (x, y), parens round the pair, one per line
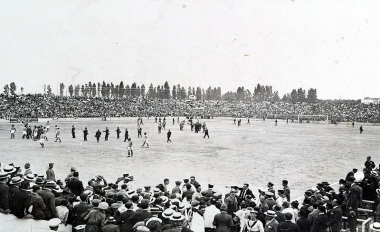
(63, 213)
(209, 215)
(290, 210)
(197, 223)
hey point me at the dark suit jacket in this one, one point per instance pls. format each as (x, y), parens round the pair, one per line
(78, 210)
(21, 201)
(335, 222)
(320, 223)
(242, 195)
(75, 186)
(354, 197)
(223, 222)
(49, 201)
(4, 196)
(138, 217)
(12, 191)
(123, 220)
(288, 226)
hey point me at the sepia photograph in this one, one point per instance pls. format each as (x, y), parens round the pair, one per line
(189, 115)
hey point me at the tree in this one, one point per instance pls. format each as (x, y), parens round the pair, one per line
(219, 94)
(229, 96)
(301, 95)
(6, 90)
(12, 88)
(189, 91)
(240, 94)
(104, 89)
(94, 90)
(61, 89)
(22, 90)
(198, 94)
(133, 90)
(166, 90)
(174, 93)
(183, 93)
(209, 93)
(312, 95)
(121, 89)
(285, 98)
(294, 96)
(83, 90)
(151, 92)
(127, 91)
(159, 92)
(76, 90)
(142, 90)
(275, 97)
(48, 91)
(71, 90)
(112, 89)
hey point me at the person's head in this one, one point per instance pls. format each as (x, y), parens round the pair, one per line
(223, 208)
(245, 186)
(262, 199)
(285, 204)
(284, 182)
(83, 197)
(166, 181)
(119, 197)
(144, 204)
(27, 165)
(64, 202)
(192, 178)
(270, 185)
(322, 208)
(288, 216)
(368, 158)
(75, 174)
(51, 165)
(316, 204)
(35, 188)
(199, 189)
(252, 214)
(355, 170)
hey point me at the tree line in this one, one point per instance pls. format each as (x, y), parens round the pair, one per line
(110, 90)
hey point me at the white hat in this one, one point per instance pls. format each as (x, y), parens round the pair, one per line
(54, 222)
(103, 205)
(375, 226)
(177, 216)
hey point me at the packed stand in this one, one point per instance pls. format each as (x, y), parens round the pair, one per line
(26, 106)
(102, 206)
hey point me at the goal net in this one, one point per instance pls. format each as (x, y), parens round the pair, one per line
(312, 118)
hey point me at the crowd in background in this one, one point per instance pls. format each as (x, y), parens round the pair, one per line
(62, 107)
(98, 205)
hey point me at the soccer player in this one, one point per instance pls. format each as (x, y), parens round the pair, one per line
(13, 131)
(168, 135)
(57, 135)
(118, 131)
(130, 147)
(85, 133)
(146, 140)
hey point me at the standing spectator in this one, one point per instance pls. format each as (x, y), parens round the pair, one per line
(4, 194)
(97, 135)
(75, 185)
(335, 222)
(73, 132)
(50, 175)
(85, 133)
(107, 132)
(223, 221)
(126, 134)
(209, 215)
(118, 131)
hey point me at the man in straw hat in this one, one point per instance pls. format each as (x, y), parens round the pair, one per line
(96, 218)
(4, 194)
(253, 224)
(49, 200)
(271, 224)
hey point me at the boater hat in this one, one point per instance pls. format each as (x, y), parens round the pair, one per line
(270, 213)
(375, 226)
(9, 169)
(15, 180)
(29, 177)
(168, 213)
(3, 176)
(177, 216)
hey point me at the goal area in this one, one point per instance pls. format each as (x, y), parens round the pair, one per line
(312, 118)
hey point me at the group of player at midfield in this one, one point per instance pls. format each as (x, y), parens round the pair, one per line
(39, 132)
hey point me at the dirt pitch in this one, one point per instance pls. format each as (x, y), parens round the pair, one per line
(304, 154)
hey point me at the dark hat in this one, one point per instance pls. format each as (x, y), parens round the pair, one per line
(210, 186)
(178, 182)
(50, 184)
(147, 187)
(111, 219)
(27, 165)
(223, 207)
(39, 180)
(281, 191)
(269, 194)
(185, 180)
(194, 203)
(270, 183)
(325, 183)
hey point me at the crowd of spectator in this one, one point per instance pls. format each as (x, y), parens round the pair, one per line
(41, 106)
(103, 206)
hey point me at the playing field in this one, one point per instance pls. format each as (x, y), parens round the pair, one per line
(304, 154)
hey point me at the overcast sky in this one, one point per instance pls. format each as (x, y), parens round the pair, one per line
(333, 46)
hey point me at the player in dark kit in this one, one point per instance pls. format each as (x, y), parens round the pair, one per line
(361, 129)
(97, 135)
(168, 135)
(85, 133)
(206, 133)
(107, 133)
(73, 132)
(118, 131)
(126, 135)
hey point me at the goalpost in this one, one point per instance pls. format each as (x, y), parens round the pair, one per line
(314, 117)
